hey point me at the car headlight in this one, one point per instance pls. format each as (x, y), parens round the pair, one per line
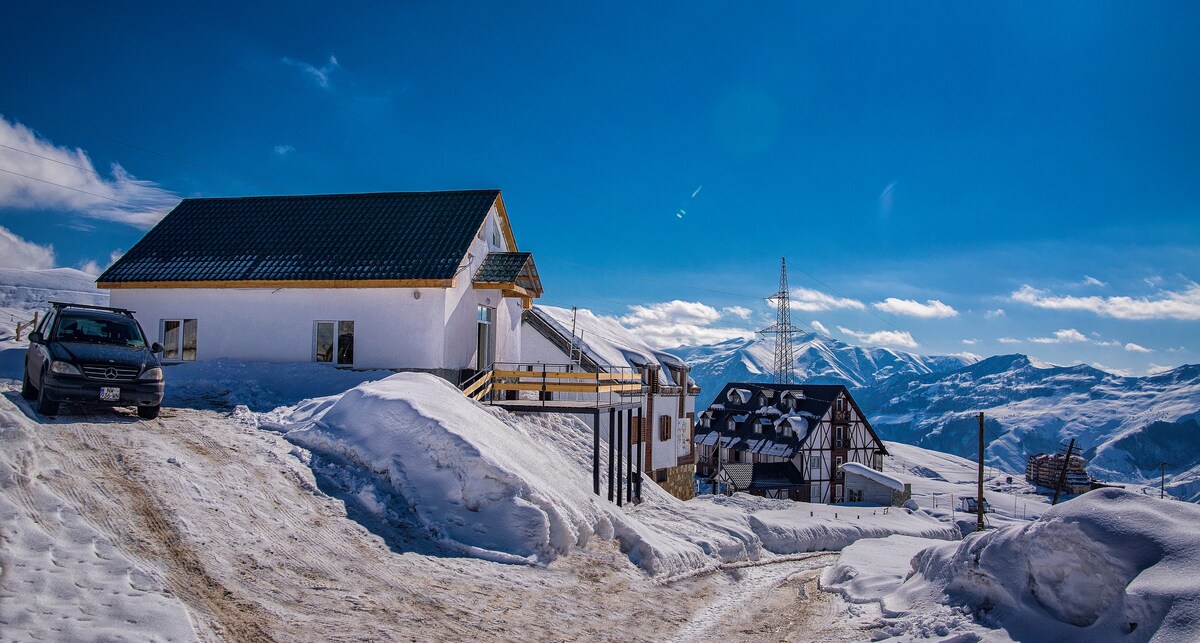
(64, 368)
(152, 374)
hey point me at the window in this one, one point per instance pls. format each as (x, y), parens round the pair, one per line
(664, 428)
(334, 342)
(856, 495)
(178, 339)
(837, 493)
(839, 437)
(837, 466)
(814, 463)
(485, 343)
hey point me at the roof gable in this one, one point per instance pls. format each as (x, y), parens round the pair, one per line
(384, 236)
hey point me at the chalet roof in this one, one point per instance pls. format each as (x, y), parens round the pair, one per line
(811, 402)
(745, 476)
(330, 237)
(502, 266)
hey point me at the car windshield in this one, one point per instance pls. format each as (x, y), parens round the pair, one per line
(97, 330)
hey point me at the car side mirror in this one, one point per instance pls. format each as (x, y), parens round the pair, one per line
(157, 348)
(35, 337)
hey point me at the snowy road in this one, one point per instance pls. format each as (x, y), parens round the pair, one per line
(195, 526)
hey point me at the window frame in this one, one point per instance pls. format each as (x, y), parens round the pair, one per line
(180, 345)
(336, 348)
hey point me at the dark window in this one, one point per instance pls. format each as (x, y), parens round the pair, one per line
(664, 428)
(334, 341)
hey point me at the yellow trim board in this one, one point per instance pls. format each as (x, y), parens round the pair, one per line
(505, 226)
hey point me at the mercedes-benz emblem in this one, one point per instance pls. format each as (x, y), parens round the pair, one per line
(110, 373)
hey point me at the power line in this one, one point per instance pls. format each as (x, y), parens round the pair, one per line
(67, 187)
(134, 146)
(92, 170)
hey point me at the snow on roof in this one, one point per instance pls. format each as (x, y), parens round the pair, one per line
(878, 476)
(742, 394)
(798, 424)
(606, 341)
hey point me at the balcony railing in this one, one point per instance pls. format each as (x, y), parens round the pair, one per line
(546, 384)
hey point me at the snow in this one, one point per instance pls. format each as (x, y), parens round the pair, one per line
(515, 489)
(1107, 565)
(867, 472)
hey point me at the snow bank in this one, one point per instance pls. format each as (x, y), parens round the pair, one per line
(1109, 564)
(261, 386)
(519, 488)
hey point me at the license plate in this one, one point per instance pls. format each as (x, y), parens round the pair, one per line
(110, 393)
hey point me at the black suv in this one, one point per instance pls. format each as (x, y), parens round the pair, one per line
(92, 355)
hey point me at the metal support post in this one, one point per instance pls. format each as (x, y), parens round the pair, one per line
(629, 455)
(612, 426)
(596, 452)
(641, 447)
(620, 449)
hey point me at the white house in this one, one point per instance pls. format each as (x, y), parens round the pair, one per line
(556, 337)
(864, 484)
(813, 428)
(429, 281)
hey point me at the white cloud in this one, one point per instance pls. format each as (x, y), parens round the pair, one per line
(44, 176)
(819, 327)
(1177, 349)
(284, 150)
(816, 301)
(1089, 280)
(970, 342)
(1155, 369)
(931, 309)
(1008, 340)
(1154, 281)
(900, 338)
(968, 355)
(1064, 336)
(16, 252)
(93, 267)
(1134, 348)
(320, 75)
(1115, 371)
(675, 323)
(1183, 304)
(1111, 342)
(994, 314)
(887, 199)
(740, 312)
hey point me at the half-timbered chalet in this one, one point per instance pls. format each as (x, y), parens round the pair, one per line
(814, 428)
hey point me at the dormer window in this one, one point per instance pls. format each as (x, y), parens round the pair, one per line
(732, 426)
(496, 237)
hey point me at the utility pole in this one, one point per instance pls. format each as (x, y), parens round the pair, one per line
(979, 500)
(1062, 474)
(782, 329)
(1162, 489)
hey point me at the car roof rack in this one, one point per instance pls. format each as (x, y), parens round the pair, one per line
(64, 304)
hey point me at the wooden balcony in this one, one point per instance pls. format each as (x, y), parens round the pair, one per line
(556, 387)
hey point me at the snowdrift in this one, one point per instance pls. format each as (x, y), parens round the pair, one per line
(519, 489)
(1107, 565)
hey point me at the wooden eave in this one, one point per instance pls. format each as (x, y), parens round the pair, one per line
(508, 288)
(505, 226)
(316, 283)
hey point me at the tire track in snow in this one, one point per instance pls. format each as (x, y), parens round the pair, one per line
(754, 580)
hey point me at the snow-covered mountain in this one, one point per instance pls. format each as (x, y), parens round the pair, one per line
(819, 359)
(1125, 426)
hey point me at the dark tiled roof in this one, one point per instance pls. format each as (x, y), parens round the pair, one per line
(763, 475)
(501, 267)
(816, 400)
(385, 235)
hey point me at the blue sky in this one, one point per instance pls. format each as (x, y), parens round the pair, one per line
(921, 165)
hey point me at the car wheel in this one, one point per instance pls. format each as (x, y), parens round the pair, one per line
(45, 406)
(27, 390)
(148, 412)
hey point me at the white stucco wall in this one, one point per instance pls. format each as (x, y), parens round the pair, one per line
(392, 328)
